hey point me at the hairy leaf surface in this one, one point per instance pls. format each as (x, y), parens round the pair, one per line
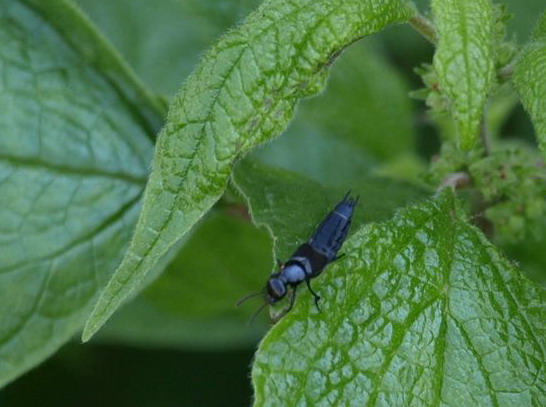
(243, 93)
(464, 61)
(74, 157)
(422, 311)
(530, 80)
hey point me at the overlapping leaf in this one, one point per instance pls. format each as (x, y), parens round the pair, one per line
(530, 80)
(291, 206)
(192, 304)
(243, 93)
(464, 61)
(74, 157)
(422, 311)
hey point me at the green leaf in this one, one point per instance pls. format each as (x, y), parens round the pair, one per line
(530, 255)
(464, 61)
(243, 93)
(422, 311)
(290, 206)
(163, 40)
(143, 323)
(220, 264)
(364, 93)
(74, 158)
(539, 34)
(192, 304)
(530, 81)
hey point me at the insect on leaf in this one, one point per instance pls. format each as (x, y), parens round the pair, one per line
(290, 205)
(421, 311)
(243, 93)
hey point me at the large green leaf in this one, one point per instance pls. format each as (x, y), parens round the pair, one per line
(530, 80)
(243, 93)
(74, 157)
(464, 60)
(422, 311)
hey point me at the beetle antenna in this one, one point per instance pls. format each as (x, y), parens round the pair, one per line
(248, 297)
(253, 317)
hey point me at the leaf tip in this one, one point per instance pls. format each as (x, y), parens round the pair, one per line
(101, 313)
(92, 325)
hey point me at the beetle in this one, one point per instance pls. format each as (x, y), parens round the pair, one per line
(310, 259)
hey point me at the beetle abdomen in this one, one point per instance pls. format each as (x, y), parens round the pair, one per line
(333, 230)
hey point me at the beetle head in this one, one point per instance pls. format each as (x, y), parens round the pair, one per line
(276, 288)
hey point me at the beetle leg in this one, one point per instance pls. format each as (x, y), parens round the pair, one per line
(285, 311)
(292, 299)
(316, 297)
(279, 263)
(338, 257)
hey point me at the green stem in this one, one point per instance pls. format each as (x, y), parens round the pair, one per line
(424, 27)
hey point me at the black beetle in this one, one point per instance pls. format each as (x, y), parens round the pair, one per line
(309, 260)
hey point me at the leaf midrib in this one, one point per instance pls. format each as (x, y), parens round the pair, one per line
(39, 165)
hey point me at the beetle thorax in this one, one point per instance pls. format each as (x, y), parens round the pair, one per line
(293, 273)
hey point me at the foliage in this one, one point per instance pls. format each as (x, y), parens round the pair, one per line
(425, 308)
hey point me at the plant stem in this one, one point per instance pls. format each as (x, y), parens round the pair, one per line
(455, 181)
(424, 27)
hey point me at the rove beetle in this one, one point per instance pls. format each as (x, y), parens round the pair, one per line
(309, 260)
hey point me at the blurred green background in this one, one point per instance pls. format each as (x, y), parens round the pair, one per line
(162, 350)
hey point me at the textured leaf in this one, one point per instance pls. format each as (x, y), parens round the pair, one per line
(422, 311)
(74, 157)
(530, 80)
(243, 93)
(464, 61)
(366, 92)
